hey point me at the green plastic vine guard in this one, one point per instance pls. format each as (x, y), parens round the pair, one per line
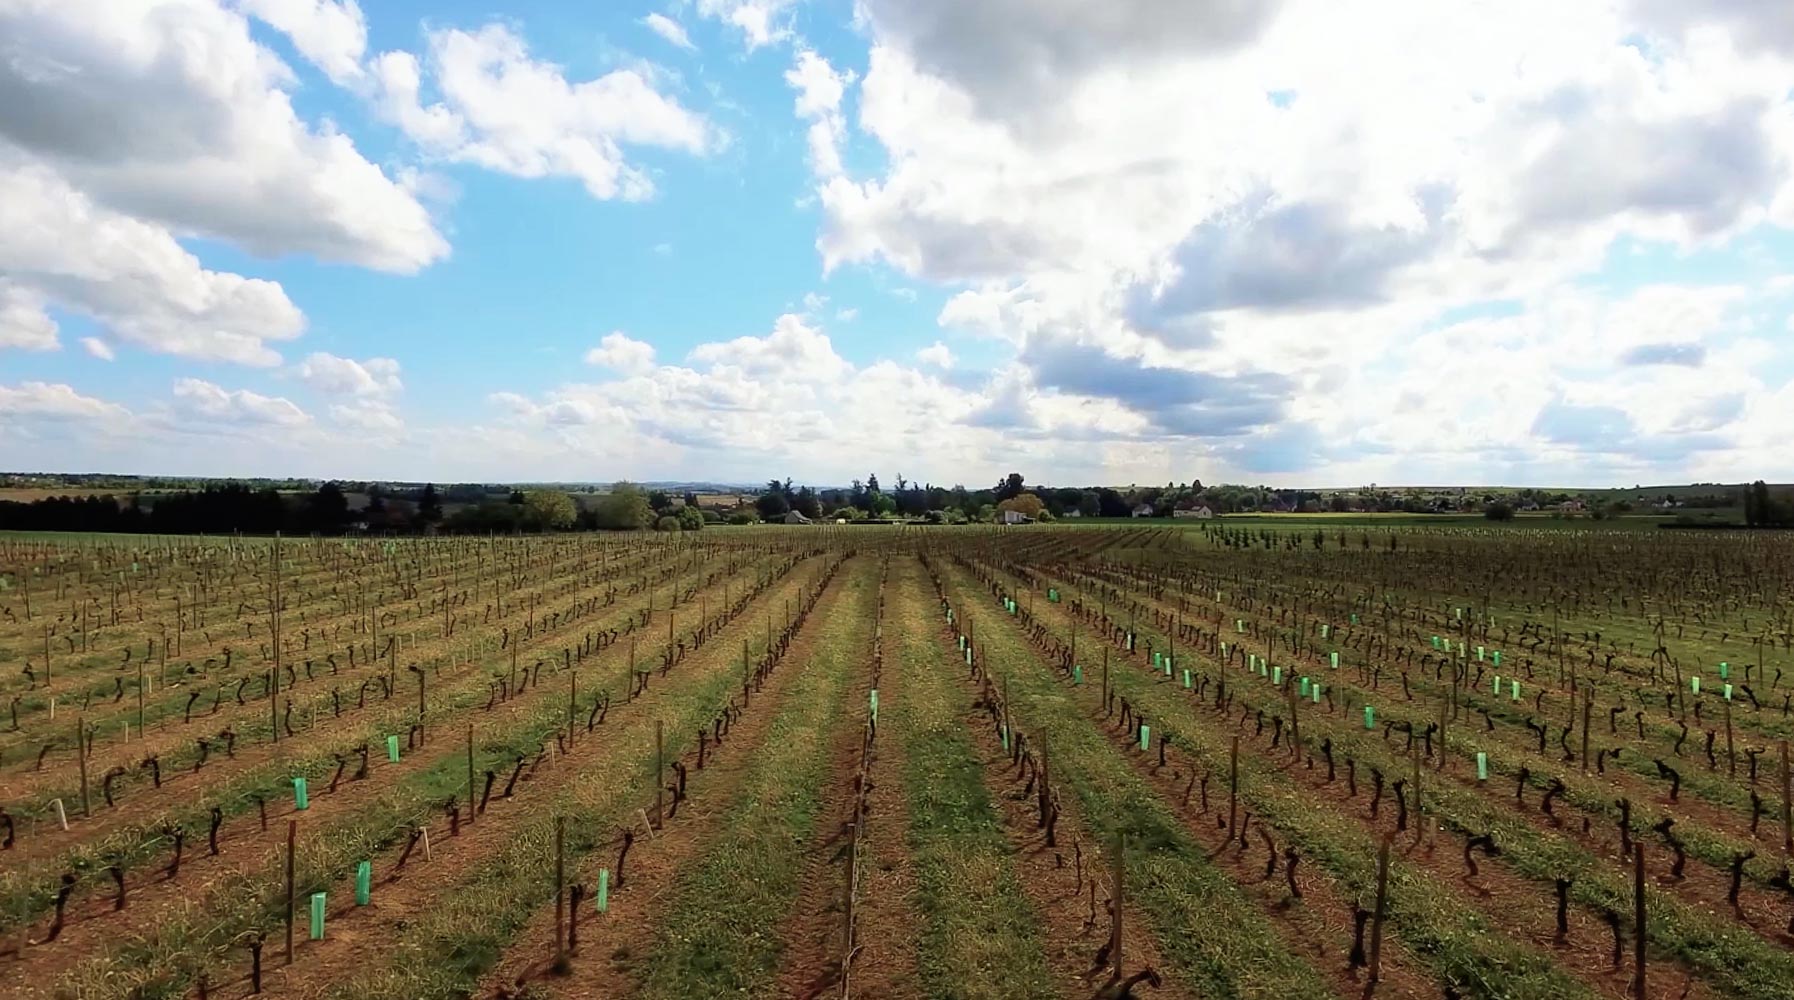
(1077, 674)
(1277, 676)
(1302, 689)
(1370, 717)
(1156, 658)
(1728, 692)
(301, 799)
(1316, 692)
(1186, 678)
(1482, 766)
(1725, 671)
(1497, 686)
(603, 890)
(364, 882)
(1145, 736)
(874, 704)
(1004, 732)
(1496, 655)
(317, 916)
(1333, 659)
(1695, 683)
(392, 749)
(1514, 690)
(1479, 652)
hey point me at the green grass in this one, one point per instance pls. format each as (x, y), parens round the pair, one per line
(1215, 938)
(717, 937)
(981, 939)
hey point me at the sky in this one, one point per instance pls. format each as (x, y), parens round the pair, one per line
(1296, 242)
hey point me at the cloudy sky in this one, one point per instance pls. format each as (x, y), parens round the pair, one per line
(1320, 242)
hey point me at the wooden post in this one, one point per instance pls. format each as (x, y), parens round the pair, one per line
(572, 698)
(81, 746)
(1787, 806)
(1233, 784)
(560, 886)
(473, 808)
(46, 654)
(274, 691)
(1376, 916)
(292, 838)
(1116, 897)
(1638, 920)
(1731, 761)
(1588, 705)
(659, 772)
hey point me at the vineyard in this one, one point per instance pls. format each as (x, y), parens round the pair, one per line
(900, 762)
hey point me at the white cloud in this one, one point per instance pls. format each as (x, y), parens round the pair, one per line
(819, 91)
(368, 416)
(936, 355)
(98, 348)
(328, 373)
(333, 35)
(506, 111)
(205, 402)
(56, 402)
(23, 322)
(132, 276)
(795, 350)
(761, 22)
(668, 29)
(621, 353)
(173, 113)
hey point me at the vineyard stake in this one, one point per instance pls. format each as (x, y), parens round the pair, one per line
(1638, 920)
(1233, 785)
(1115, 917)
(1787, 806)
(81, 746)
(1376, 917)
(659, 772)
(292, 836)
(472, 808)
(1731, 761)
(140, 729)
(560, 884)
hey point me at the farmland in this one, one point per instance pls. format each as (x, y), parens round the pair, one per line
(1221, 760)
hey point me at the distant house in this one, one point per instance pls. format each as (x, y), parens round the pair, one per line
(1201, 513)
(1074, 512)
(794, 517)
(1014, 517)
(1144, 510)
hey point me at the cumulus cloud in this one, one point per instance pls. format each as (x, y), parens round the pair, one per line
(333, 35)
(23, 322)
(819, 91)
(173, 113)
(55, 401)
(132, 276)
(95, 347)
(328, 373)
(206, 402)
(761, 22)
(936, 355)
(504, 110)
(619, 352)
(669, 29)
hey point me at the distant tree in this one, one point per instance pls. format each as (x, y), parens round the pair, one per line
(1499, 511)
(1339, 504)
(857, 497)
(624, 508)
(549, 510)
(327, 510)
(872, 482)
(429, 506)
(1009, 486)
(805, 503)
(1110, 504)
(1026, 503)
(659, 500)
(517, 497)
(772, 504)
(691, 499)
(690, 518)
(882, 503)
(667, 523)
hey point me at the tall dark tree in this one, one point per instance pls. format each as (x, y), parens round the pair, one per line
(328, 509)
(1009, 487)
(429, 506)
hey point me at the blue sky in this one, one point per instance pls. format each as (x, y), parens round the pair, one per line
(1301, 242)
